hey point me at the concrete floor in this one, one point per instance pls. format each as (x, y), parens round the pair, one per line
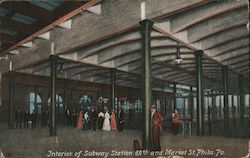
(36, 143)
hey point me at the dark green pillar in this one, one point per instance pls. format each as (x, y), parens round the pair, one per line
(146, 26)
(220, 100)
(213, 109)
(209, 119)
(191, 104)
(174, 91)
(65, 98)
(199, 94)
(36, 106)
(113, 94)
(11, 99)
(242, 99)
(225, 93)
(184, 108)
(53, 71)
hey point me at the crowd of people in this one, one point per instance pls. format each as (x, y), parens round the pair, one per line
(91, 119)
(102, 120)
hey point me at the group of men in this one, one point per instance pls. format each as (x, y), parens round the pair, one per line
(23, 119)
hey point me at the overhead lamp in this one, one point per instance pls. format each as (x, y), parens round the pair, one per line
(178, 58)
(60, 69)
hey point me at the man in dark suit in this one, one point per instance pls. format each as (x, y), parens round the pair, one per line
(19, 117)
(93, 118)
(68, 117)
(157, 128)
(121, 118)
(26, 118)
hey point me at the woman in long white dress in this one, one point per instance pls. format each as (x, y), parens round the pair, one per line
(106, 123)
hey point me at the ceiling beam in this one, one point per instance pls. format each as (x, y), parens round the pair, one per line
(92, 71)
(177, 68)
(230, 27)
(103, 38)
(189, 7)
(235, 57)
(233, 49)
(227, 41)
(240, 58)
(206, 17)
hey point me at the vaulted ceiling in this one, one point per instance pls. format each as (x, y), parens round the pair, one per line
(218, 28)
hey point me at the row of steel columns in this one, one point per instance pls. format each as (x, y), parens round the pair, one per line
(146, 27)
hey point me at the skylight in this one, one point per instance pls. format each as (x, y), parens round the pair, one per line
(48, 5)
(2, 30)
(23, 18)
(3, 11)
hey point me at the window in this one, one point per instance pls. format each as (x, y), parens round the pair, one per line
(35, 103)
(85, 101)
(59, 103)
(126, 106)
(138, 105)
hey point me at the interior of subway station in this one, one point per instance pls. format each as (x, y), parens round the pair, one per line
(112, 54)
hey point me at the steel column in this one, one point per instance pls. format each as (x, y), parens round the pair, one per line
(36, 108)
(213, 108)
(65, 99)
(209, 119)
(242, 99)
(225, 93)
(11, 99)
(174, 91)
(146, 27)
(191, 104)
(220, 100)
(113, 90)
(199, 94)
(53, 71)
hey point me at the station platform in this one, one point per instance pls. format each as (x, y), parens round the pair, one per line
(36, 143)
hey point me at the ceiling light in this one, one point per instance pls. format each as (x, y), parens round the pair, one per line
(178, 58)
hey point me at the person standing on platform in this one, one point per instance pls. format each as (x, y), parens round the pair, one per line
(80, 120)
(175, 121)
(113, 121)
(19, 117)
(74, 117)
(26, 118)
(157, 128)
(100, 120)
(68, 117)
(44, 117)
(86, 123)
(93, 118)
(121, 119)
(34, 119)
(106, 123)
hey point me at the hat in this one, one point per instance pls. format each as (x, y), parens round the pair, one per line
(153, 106)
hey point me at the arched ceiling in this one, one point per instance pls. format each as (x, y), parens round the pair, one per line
(219, 28)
